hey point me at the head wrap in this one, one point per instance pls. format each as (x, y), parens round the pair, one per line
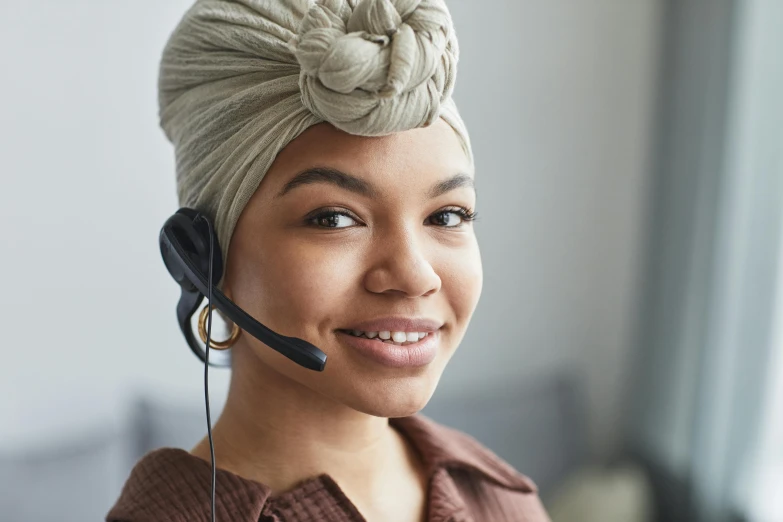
(240, 79)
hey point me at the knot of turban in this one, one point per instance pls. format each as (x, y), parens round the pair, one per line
(240, 79)
(380, 67)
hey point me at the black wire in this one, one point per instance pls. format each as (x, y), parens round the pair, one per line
(206, 365)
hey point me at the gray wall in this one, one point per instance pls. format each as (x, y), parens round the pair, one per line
(558, 99)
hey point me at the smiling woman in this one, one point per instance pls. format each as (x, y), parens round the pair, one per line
(322, 140)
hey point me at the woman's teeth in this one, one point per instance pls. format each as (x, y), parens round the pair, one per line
(390, 337)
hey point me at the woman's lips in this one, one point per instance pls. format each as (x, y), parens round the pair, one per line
(416, 354)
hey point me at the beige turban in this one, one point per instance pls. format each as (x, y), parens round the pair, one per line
(240, 79)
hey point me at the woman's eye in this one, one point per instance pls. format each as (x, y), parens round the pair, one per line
(447, 219)
(451, 218)
(333, 220)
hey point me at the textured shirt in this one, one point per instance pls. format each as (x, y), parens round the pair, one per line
(466, 483)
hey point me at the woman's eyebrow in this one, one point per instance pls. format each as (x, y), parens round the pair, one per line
(329, 175)
(449, 184)
(364, 188)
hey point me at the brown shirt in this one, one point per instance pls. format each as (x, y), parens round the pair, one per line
(467, 483)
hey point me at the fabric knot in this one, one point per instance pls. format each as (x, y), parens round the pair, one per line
(374, 67)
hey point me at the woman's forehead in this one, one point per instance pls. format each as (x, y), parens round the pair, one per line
(429, 152)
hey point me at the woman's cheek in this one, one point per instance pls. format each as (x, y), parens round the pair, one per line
(314, 281)
(463, 278)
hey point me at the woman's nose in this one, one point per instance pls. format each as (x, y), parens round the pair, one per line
(400, 265)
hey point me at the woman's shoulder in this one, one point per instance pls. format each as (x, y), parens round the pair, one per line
(171, 484)
(466, 472)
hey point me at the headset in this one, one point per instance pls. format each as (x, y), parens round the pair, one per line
(192, 255)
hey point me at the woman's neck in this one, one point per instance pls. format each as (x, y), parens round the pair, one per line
(278, 432)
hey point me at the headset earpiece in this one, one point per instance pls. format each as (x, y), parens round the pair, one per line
(193, 235)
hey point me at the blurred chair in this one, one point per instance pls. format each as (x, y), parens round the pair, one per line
(69, 481)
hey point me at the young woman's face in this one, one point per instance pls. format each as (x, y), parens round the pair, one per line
(372, 234)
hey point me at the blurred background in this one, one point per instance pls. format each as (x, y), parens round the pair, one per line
(627, 352)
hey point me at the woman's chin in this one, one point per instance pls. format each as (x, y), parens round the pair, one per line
(392, 403)
(391, 411)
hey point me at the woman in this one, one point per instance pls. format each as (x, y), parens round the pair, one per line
(322, 140)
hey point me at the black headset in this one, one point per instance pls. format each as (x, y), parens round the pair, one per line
(188, 245)
(191, 253)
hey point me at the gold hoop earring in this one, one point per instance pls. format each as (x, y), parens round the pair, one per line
(217, 345)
